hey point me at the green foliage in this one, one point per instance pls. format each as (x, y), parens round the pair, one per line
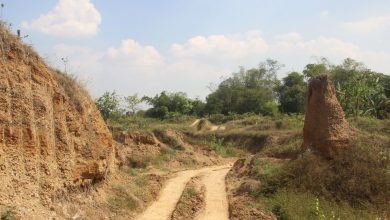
(362, 94)
(109, 104)
(312, 69)
(121, 200)
(246, 91)
(360, 91)
(292, 93)
(216, 144)
(7, 214)
(191, 192)
(132, 103)
(171, 105)
(198, 108)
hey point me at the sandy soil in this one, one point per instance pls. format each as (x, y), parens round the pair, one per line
(216, 199)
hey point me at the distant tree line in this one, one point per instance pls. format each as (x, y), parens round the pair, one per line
(361, 92)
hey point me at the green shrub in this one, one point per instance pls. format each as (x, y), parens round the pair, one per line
(280, 213)
(191, 192)
(7, 214)
(217, 119)
(216, 144)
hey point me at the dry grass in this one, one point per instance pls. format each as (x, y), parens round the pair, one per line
(358, 177)
(121, 200)
(11, 46)
(74, 89)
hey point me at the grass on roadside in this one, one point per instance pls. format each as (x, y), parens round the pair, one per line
(121, 200)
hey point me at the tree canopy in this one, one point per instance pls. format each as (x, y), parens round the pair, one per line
(361, 92)
(250, 90)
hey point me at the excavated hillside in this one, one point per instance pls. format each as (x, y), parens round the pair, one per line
(53, 140)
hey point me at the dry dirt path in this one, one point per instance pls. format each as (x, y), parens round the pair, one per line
(216, 196)
(216, 199)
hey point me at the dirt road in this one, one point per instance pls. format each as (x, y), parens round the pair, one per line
(216, 199)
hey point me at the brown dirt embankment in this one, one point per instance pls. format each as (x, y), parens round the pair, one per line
(53, 141)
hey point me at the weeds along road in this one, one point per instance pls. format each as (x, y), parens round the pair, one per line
(216, 205)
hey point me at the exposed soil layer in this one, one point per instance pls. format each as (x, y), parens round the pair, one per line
(191, 202)
(53, 141)
(239, 189)
(325, 130)
(215, 197)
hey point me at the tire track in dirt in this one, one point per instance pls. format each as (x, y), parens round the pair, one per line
(214, 180)
(216, 196)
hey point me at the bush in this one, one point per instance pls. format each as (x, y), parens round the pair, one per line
(216, 144)
(7, 214)
(358, 175)
(217, 119)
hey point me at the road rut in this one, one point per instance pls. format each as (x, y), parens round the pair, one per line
(216, 199)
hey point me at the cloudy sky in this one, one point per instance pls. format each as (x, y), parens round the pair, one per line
(147, 46)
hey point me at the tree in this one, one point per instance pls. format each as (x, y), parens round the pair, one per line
(360, 91)
(346, 71)
(198, 108)
(108, 104)
(166, 103)
(132, 103)
(292, 93)
(312, 70)
(246, 91)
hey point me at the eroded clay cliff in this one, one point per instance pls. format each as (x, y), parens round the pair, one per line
(52, 138)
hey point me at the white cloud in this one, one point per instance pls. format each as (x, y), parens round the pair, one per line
(80, 59)
(322, 46)
(368, 25)
(222, 47)
(288, 37)
(296, 50)
(132, 67)
(69, 18)
(136, 54)
(324, 13)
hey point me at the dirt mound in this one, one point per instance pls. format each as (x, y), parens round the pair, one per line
(192, 200)
(241, 167)
(206, 125)
(52, 138)
(325, 130)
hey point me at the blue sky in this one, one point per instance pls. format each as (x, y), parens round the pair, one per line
(148, 46)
